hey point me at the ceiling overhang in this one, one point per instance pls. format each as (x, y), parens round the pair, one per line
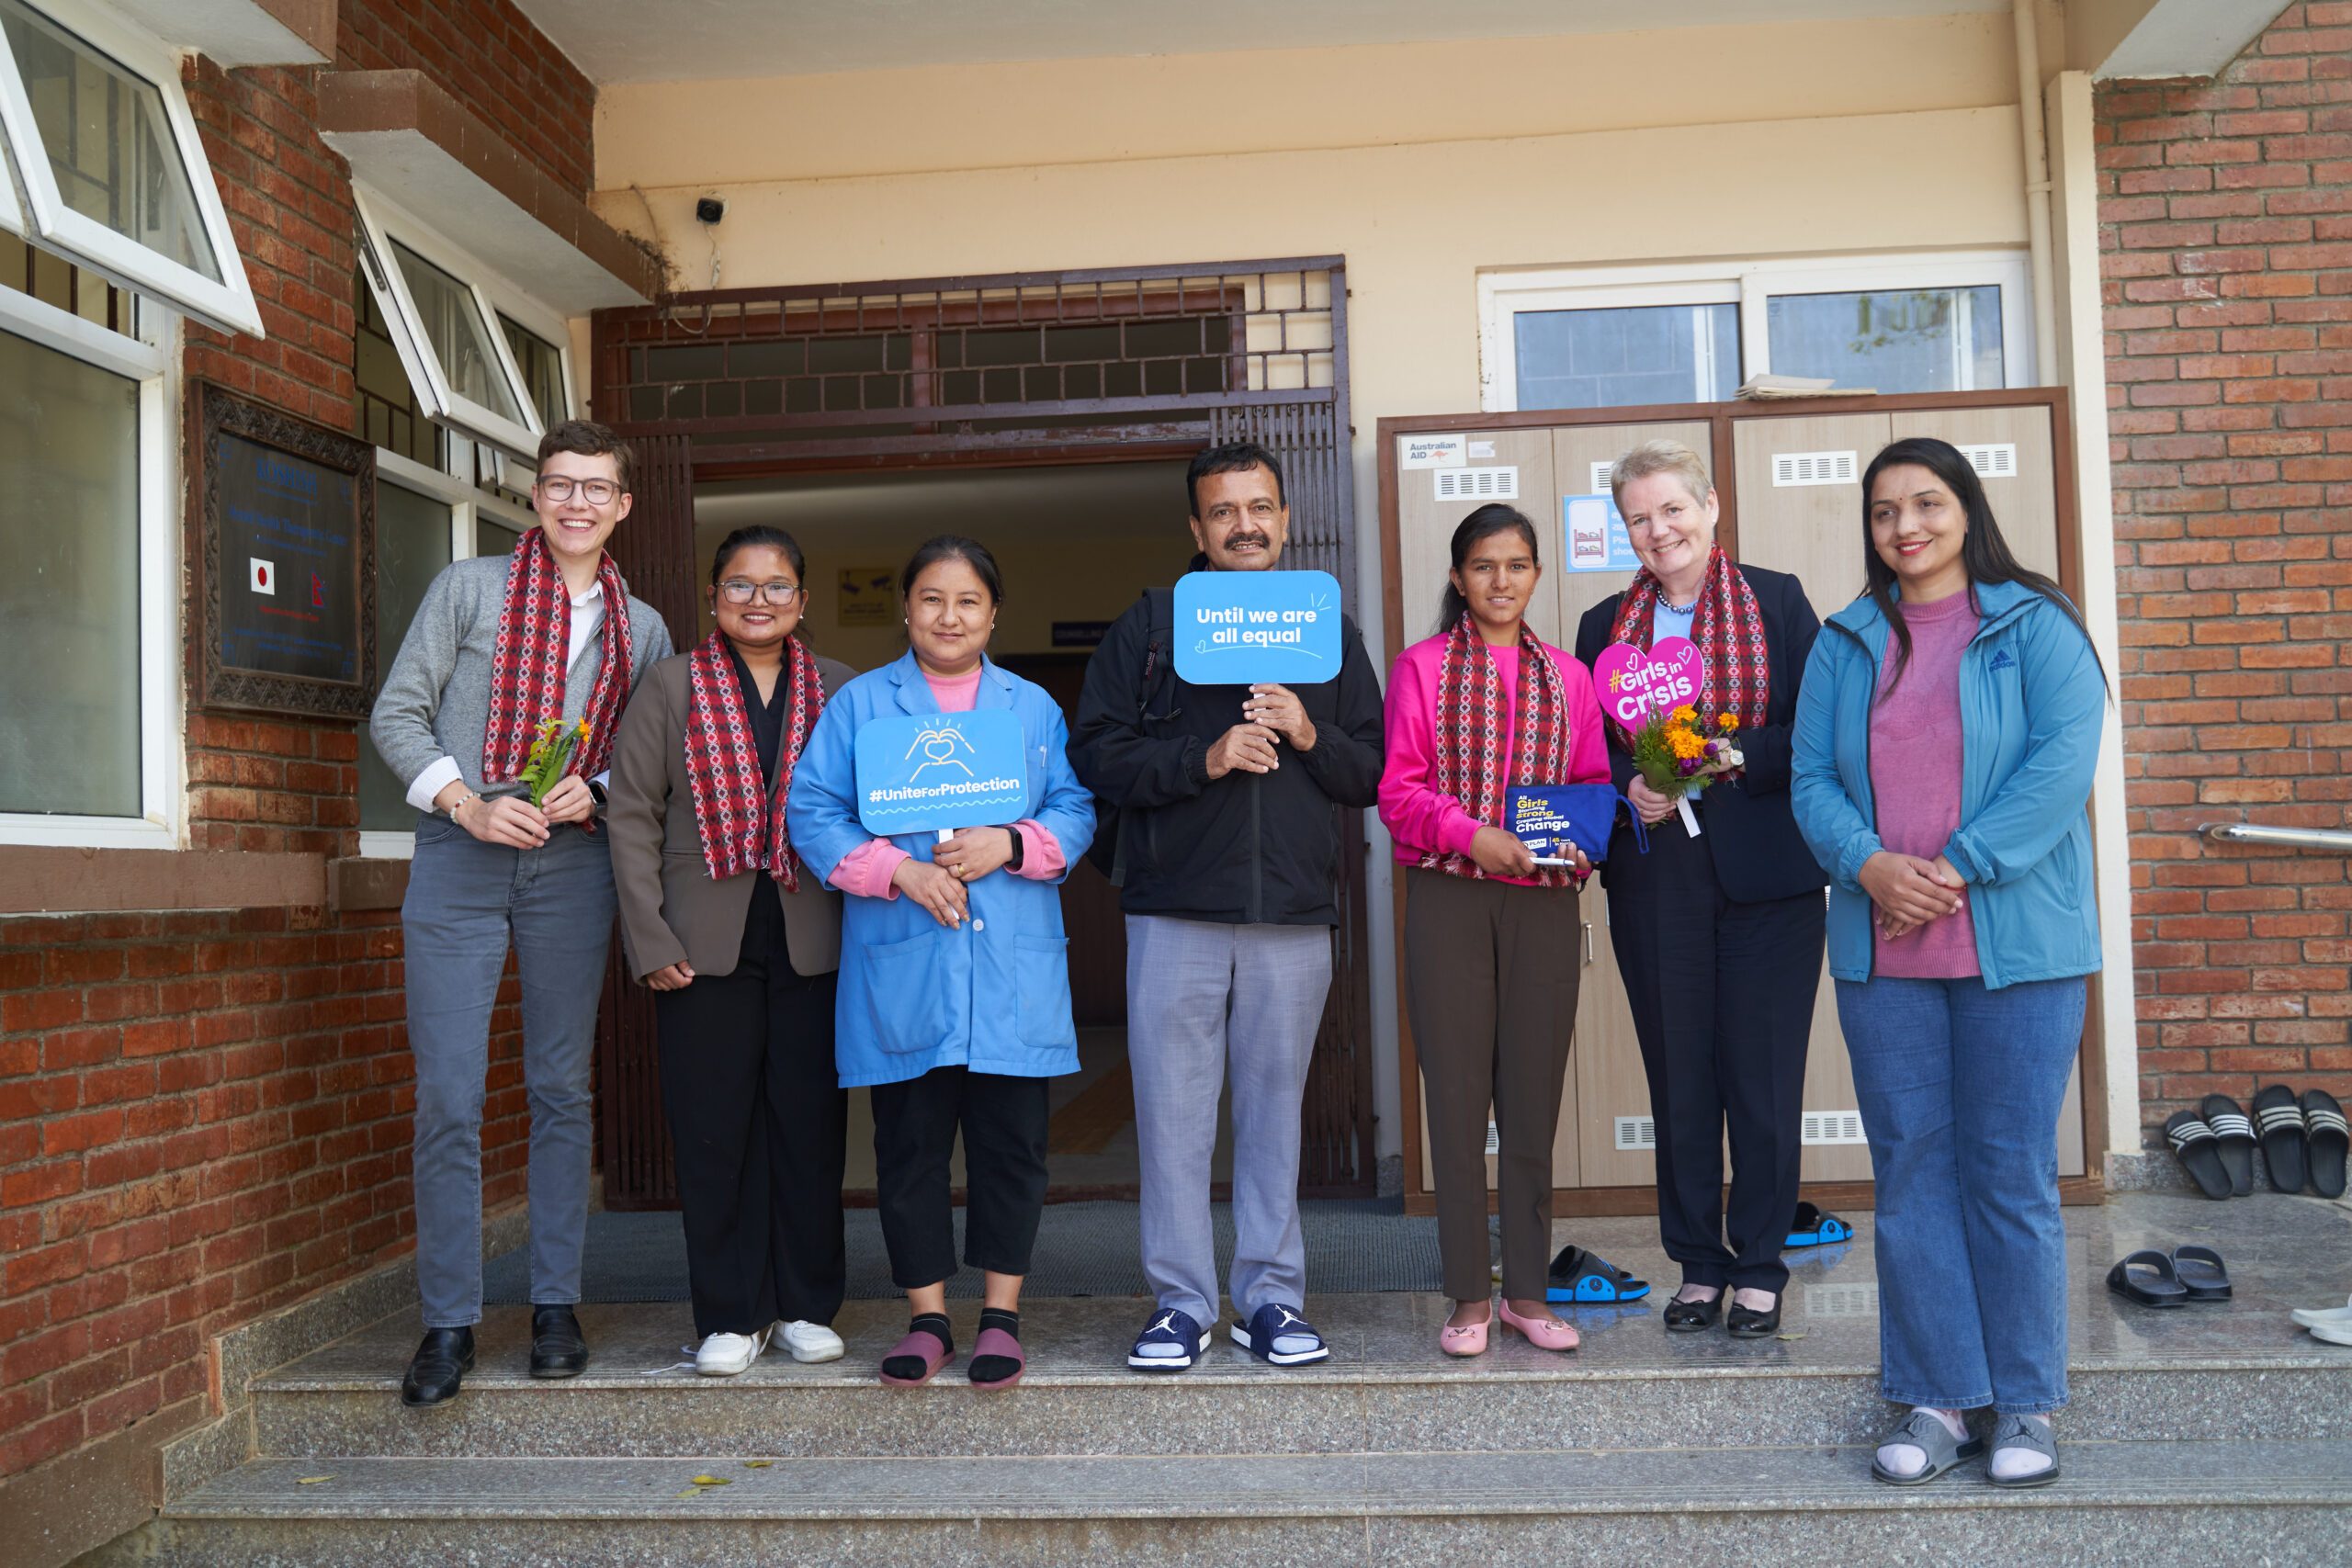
(234, 33)
(2165, 39)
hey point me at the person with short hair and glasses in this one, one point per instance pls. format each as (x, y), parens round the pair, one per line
(501, 650)
(740, 943)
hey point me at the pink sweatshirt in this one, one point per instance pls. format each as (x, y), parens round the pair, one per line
(867, 869)
(1915, 779)
(1417, 817)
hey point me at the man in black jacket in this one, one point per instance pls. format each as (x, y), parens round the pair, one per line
(1229, 801)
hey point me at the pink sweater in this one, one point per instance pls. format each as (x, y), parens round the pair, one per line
(867, 869)
(1915, 779)
(1417, 817)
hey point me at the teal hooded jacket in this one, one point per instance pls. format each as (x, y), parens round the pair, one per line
(2031, 703)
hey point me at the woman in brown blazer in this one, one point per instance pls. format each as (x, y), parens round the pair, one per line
(740, 943)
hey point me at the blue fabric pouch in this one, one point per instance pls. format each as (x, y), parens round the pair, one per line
(1549, 817)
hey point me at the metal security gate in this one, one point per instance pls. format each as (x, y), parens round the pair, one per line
(1106, 364)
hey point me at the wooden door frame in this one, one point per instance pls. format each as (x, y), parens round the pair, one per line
(1721, 418)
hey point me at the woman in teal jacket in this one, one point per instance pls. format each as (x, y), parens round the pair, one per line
(955, 987)
(1946, 735)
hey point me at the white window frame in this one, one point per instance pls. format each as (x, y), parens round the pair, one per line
(161, 760)
(381, 222)
(465, 503)
(1751, 283)
(227, 305)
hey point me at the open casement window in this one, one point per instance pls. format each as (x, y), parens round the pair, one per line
(105, 155)
(446, 325)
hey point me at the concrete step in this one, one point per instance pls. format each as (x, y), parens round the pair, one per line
(2180, 1375)
(2136, 1503)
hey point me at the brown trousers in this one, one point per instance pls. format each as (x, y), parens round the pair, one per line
(1491, 988)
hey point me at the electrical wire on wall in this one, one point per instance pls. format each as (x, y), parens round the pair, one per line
(709, 210)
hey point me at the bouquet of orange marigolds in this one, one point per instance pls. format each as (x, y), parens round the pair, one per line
(1678, 756)
(551, 752)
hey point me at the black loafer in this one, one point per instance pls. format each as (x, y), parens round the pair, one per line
(557, 1348)
(1747, 1323)
(1690, 1317)
(439, 1365)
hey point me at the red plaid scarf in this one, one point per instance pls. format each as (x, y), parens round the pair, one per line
(526, 671)
(742, 820)
(1729, 630)
(1469, 736)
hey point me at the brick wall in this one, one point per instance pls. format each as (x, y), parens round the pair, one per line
(205, 1115)
(2225, 221)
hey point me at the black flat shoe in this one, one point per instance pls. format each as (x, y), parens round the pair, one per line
(1747, 1323)
(557, 1348)
(1691, 1317)
(439, 1365)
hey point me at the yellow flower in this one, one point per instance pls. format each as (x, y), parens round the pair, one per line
(1684, 742)
(1686, 713)
(583, 730)
(1728, 721)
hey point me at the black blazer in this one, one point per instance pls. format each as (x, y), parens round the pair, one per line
(1751, 832)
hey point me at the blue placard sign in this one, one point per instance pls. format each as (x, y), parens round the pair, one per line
(1595, 536)
(1241, 628)
(922, 772)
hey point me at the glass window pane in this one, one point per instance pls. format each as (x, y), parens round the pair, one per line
(494, 539)
(108, 141)
(1617, 358)
(542, 365)
(457, 334)
(1891, 340)
(411, 546)
(69, 585)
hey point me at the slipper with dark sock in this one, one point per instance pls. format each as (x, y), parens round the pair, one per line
(1579, 1276)
(2233, 1135)
(2327, 1137)
(997, 1362)
(1812, 1228)
(2200, 1152)
(916, 1359)
(2202, 1273)
(2278, 1122)
(2148, 1278)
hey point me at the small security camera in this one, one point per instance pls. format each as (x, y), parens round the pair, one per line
(709, 209)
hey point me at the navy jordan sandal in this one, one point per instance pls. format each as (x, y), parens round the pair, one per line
(1812, 1228)
(1274, 1321)
(1580, 1277)
(1169, 1326)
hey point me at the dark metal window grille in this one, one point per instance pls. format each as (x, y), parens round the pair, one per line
(1022, 351)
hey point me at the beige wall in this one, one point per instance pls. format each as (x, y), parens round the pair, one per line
(1423, 165)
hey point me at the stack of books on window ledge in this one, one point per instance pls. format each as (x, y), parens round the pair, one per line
(1772, 389)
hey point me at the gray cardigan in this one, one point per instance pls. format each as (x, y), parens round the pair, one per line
(435, 701)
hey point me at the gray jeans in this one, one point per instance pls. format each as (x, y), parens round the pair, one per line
(466, 900)
(1204, 999)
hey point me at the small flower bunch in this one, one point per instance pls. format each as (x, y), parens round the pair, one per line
(1679, 756)
(551, 752)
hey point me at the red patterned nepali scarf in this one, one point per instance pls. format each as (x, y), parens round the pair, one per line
(1729, 630)
(526, 669)
(742, 820)
(1469, 736)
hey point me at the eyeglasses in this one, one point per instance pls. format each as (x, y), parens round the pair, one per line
(739, 592)
(597, 492)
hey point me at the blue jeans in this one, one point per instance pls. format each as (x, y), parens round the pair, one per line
(1960, 1090)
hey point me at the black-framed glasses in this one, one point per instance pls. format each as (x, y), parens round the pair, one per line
(596, 493)
(739, 592)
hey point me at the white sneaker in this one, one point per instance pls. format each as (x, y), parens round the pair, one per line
(810, 1341)
(724, 1355)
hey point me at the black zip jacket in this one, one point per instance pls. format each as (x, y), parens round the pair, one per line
(1248, 849)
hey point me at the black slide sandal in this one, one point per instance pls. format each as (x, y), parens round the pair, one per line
(2233, 1131)
(2327, 1137)
(2161, 1287)
(2202, 1273)
(2279, 1119)
(2200, 1152)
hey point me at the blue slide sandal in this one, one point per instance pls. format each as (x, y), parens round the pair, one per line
(1578, 1276)
(1813, 1228)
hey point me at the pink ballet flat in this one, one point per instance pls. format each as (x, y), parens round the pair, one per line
(1545, 1333)
(1469, 1339)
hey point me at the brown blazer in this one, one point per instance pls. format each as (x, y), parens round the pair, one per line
(671, 910)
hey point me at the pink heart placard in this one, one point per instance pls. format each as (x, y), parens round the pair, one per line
(1632, 684)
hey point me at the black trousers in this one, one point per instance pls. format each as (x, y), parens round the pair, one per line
(1721, 998)
(1003, 1121)
(759, 1125)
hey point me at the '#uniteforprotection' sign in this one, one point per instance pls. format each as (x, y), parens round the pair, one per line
(920, 773)
(1241, 628)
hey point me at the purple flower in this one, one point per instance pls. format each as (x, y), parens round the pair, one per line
(1714, 747)
(1686, 766)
